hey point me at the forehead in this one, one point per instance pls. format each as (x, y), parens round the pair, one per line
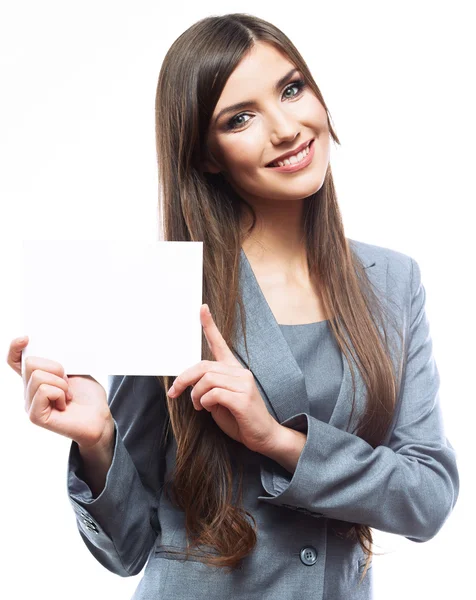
(259, 70)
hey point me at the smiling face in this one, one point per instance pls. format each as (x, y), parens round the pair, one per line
(285, 114)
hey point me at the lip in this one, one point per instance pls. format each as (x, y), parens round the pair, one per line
(307, 160)
(291, 152)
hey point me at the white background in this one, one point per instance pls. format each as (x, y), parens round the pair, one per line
(77, 159)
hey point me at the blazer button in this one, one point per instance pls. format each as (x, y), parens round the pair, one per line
(308, 555)
(91, 527)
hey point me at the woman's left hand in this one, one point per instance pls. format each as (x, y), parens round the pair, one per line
(228, 391)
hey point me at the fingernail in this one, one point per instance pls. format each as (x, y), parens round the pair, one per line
(171, 391)
(21, 340)
(208, 309)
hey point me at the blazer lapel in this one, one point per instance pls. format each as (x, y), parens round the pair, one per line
(278, 376)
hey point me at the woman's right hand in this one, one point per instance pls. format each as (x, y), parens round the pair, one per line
(83, 415)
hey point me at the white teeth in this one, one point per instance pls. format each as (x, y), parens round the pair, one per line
(292, 160)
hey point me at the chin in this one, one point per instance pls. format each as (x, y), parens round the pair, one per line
(300, 189)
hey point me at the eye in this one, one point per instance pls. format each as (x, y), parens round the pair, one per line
(234, 124)
(298, 83)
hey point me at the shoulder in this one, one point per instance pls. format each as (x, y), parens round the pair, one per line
(396, 263)
(400, 271)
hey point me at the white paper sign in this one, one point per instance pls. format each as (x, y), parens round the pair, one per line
(114, 307)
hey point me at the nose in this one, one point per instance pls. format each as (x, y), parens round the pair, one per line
(284, 127)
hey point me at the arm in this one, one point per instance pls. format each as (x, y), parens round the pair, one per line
(408, 487)
(120, 524)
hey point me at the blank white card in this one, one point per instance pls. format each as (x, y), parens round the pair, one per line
(114, 307)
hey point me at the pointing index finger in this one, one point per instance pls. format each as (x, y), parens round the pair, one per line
(215, 340)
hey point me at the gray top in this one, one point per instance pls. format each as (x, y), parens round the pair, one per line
(316, 352)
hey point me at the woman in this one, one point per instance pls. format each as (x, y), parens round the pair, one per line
(315, 413)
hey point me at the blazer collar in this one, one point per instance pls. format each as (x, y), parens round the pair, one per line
(278, 376)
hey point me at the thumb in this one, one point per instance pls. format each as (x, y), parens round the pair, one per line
(15, 353)
(16, 348)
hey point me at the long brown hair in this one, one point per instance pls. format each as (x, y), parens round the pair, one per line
(200, 206)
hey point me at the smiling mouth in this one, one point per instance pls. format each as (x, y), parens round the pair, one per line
(289, 163)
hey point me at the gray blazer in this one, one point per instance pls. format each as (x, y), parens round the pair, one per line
(406, 486)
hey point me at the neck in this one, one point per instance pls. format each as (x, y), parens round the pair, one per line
(277, 243)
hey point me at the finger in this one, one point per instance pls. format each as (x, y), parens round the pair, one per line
(15, 353)
(31, 363)
(39, 378)
(191, 375)
(42, 403)
(188, 377)
(215, 340)
(46, 368)
(211, 380)
(230, 400)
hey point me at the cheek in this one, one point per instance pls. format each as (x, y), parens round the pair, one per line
(243, 153)
(317, 113)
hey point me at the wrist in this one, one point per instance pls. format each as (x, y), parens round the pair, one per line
(97, 460)
(105, 442)
(287, 447)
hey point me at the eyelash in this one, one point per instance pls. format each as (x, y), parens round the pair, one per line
(299, 83)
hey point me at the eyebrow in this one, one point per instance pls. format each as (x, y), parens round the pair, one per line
(247, 103)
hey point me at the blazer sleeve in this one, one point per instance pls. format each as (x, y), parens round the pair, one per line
(120, 526)
(408, 487)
